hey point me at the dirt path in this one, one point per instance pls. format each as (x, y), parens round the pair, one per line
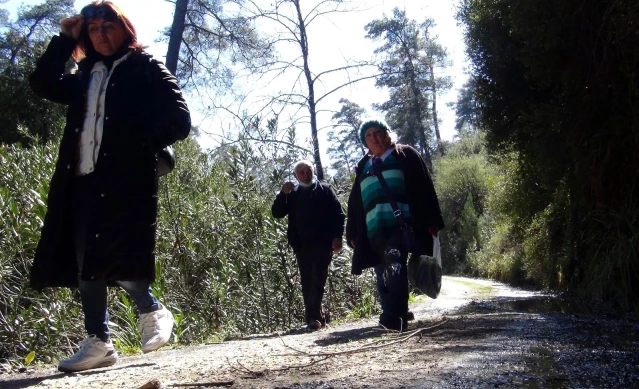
(476, 334)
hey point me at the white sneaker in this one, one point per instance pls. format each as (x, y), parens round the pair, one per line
(93, 353)
(156, 329)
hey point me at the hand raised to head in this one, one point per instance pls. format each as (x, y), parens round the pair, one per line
(72, 26)
(287, 187)
(337, 245)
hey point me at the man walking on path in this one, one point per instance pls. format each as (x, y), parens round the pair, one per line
(315, 228)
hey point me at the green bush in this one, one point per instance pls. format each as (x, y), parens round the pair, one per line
(613, 269)
(565, 140)
(461, 181)
(223, 264)
(29, 321)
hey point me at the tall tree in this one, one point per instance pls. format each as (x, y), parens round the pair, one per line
(346, 148)
(437, 59)
(208, 38)
(557, 87)
(409, 58)
(23, 115)
(290, 25)
(467, 107)
(175, 35)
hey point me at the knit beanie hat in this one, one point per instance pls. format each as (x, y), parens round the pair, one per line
(371, 123)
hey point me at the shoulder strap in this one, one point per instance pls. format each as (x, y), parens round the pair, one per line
(377, 169)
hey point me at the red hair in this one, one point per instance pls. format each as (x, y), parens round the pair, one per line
(108, 11)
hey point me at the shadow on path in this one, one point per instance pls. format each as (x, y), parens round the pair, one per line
(21, 383)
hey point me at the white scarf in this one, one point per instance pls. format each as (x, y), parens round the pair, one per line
(92, 129)
(307, 185)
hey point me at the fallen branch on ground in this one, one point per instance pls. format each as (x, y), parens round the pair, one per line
(260, 373)
(324, 356)
(377, 344)
(205, 384)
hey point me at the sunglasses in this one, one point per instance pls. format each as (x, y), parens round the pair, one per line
(103, 12)
(104, 29)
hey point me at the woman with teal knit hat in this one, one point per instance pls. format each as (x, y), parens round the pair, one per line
(380, 210)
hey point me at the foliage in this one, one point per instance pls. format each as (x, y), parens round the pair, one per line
(557, 97)
(462, 184)
(409, 57)
(466, 107)
(616, 240)
(346, 147)
(22, 114)
(28, 322)
(224, 266)
(366, 306)
(216, 35)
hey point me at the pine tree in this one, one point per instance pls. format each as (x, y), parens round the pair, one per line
(409, 59)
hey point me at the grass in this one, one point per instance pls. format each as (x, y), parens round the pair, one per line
(481, 291)
(419, 298)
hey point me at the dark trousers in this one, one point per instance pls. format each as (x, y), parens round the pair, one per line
(393, 291)
(313, 261)
(94, 293)
(392, 282)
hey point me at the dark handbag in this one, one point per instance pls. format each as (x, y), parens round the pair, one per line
(408, 235)
(425, 271)
(166, 161)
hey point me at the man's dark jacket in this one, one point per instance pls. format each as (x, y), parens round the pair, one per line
(144, 111)
(327, 214)
(422, 202)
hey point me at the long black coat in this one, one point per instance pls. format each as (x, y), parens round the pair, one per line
(422, 202)
(144, 112)
(327, 219)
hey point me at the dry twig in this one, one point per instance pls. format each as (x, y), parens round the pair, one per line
(377, 344)
(261, 373)
(324, 356)
(205, 384)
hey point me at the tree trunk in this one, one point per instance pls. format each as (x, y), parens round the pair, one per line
(359, 141)
(311, 92)
(416, 122)
(437, 134)
(14, 52)
(175, 38)
(417, 119)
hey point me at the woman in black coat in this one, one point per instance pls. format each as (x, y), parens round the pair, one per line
(123, 107)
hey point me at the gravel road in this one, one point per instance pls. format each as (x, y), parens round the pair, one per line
(476, 334)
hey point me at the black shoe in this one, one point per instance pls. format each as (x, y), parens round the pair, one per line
(314, 325)
(391, 322)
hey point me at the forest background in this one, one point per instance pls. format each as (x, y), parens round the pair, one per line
(537, 186)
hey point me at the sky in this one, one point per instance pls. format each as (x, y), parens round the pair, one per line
(331, 40)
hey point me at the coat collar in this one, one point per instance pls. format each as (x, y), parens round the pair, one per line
(399, 149)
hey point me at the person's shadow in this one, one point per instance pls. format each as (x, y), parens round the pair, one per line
(352, 335)
(20, 383)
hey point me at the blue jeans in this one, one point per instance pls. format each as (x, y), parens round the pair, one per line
(93, 294)
(94, 303)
